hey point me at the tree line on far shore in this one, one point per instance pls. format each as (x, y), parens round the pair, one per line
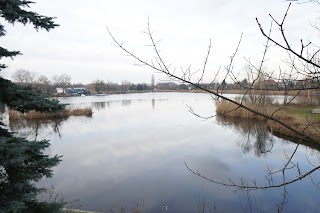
(42, 84)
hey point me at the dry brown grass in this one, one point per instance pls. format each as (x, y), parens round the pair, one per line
(224, 107)
(81, 112)
(298, 117)
(307, 123)
(15, 115)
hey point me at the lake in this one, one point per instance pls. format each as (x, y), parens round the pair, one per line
(134, 148)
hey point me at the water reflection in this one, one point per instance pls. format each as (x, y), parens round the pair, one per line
(41, 128)
(126, 102)
(153, 103)
(32, 128)
(313, 146)
(135, 152)
(100, 105)
(254, 134)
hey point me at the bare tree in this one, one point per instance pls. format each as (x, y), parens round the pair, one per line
(24, 77)
(43, 84)
(99, 86)
(62, 81)
(302, 65)
(125, 86)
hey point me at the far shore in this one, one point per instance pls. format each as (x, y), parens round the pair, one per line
(297, 116)
(267, 92)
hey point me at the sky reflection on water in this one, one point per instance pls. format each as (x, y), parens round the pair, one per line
(134, 147)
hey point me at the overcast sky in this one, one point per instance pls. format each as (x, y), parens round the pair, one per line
(82, 48)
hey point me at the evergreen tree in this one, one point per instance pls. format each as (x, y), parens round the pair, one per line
(23, 162)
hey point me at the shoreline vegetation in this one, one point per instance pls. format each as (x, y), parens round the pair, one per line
(268, 92)
(15, 115)
(298, 116)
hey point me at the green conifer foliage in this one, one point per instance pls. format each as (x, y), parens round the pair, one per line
(23, 162)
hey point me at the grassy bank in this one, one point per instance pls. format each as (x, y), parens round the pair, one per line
(224, 107)
(298, 117)
(15, 115)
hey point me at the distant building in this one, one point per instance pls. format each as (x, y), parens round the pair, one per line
(167, 86)
(300, 84)
(60, 90)
(76, 91)
(266, 84)
(270, 84)
(72, 91)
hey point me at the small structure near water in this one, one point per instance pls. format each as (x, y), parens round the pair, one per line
(73, 91)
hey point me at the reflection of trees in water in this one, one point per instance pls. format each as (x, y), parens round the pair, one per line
(100, 105)
(255, 134)
(30, 128)
(126, 102)
(153, 103)
(313, 146)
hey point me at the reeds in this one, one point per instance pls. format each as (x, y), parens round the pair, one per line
(227, 108)
(81, 112)
(15, 115)
(304, 122)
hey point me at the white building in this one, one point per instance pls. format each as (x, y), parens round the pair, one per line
(60, 90)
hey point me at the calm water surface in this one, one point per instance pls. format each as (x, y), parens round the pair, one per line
(135, 146)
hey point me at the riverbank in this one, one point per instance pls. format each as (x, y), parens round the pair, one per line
(257, 92)
(298, 117)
